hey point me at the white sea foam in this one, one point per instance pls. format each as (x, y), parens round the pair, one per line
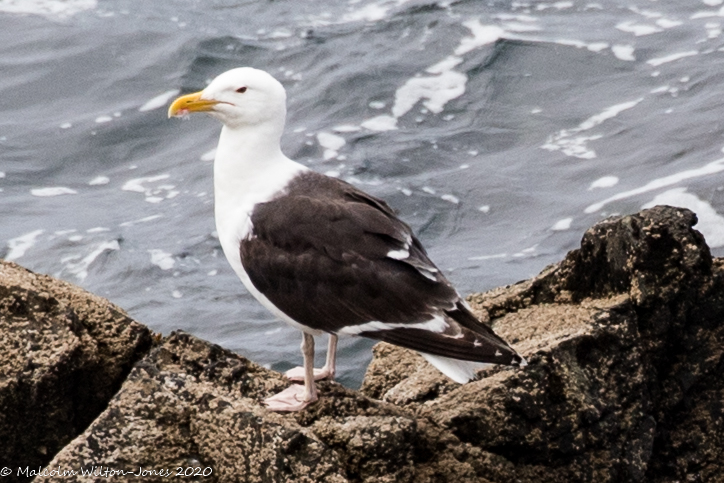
(572, 144)
(638, 29)
(489, 257)
(162, 259)
(668, 23)
(562, 225)
(708, 14)
(141, 220)
(331, 144)
(604, 182)
(623, 52)
(19, 245)
(209, 155)
(713, 30)
(436, 91)
(481, 35)
(50, 8)
(369, 13)
(446, 64)
(442, 85)
(451, 198)
(78, 265)
(170, 191)
(103, 119)
(557, 5)
(155, 194)
(52, 191)
(99, 180)
(136, 184)
(280, 34)
(710, 168)
(521, 27)
(346, 128)
(671, 58)
(159, 101)
(526, 252)
(593, 47)
(380, 123)
(597, 46)
(515, 16)
(650, 14)
(711, 223)
(608, 113)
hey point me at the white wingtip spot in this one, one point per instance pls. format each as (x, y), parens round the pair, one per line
(398, 254)
(428, 274)
(498, 353)
(436, 324)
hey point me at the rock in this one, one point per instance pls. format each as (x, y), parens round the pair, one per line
(63, 354)
(624, 342)
(624, 383)
(191, 404)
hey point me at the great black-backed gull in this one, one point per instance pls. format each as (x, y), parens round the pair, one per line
(322, 255)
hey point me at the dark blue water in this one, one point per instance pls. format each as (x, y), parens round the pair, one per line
(500, 131)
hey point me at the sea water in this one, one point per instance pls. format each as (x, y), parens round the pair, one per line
(500, 131)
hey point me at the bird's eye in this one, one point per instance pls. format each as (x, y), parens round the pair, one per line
(241, 90)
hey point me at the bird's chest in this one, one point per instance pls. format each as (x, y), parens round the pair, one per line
(236, 197)
(233, 224)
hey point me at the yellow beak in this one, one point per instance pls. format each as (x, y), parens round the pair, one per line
(190, 103)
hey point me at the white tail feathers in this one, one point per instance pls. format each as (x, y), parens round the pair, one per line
(457, 370)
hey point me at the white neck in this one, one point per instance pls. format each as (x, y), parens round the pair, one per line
(249, 168)
(244, 154)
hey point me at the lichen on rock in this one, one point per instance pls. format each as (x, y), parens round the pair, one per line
(63, 354)
(622, 336)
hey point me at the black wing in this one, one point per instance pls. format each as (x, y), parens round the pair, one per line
(465, 338)
(333, 258)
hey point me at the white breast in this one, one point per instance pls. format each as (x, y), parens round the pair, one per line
(234, 203)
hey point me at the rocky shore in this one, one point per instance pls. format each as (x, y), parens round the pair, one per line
(625, 382)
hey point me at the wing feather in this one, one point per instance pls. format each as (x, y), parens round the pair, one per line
(320, 253)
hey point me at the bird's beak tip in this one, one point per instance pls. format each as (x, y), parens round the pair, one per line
(189, 103)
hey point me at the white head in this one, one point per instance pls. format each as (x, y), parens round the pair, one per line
(240, 98)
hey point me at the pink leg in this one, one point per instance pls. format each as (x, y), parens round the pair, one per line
(297, 397)
(327, 372)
